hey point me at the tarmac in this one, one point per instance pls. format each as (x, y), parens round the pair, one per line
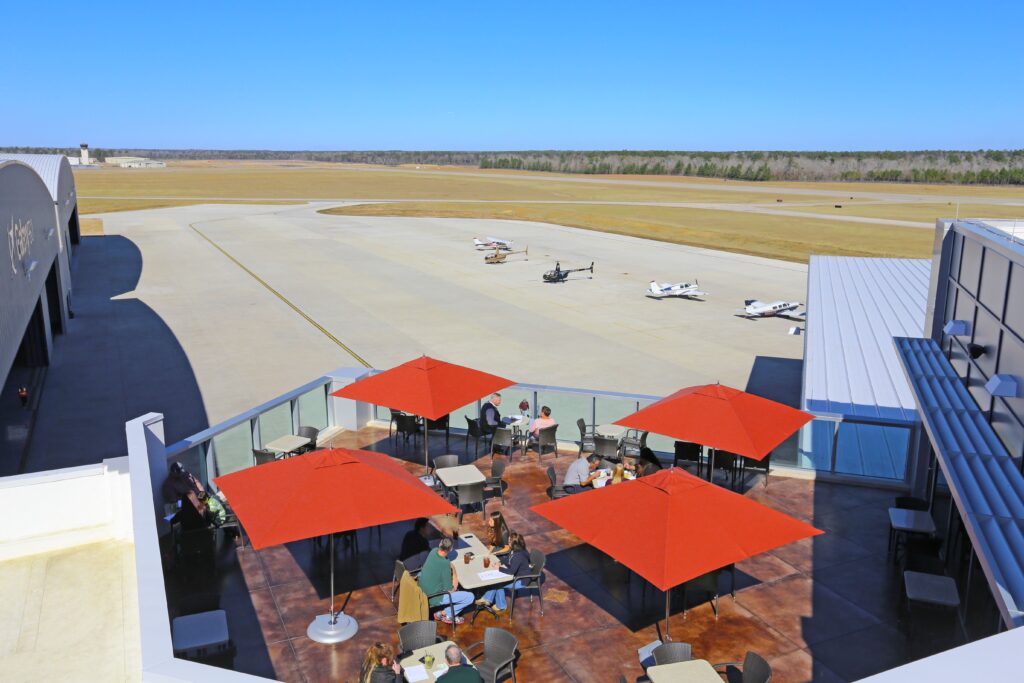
(202, 312)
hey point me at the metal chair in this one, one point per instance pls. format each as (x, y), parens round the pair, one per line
(417, 634)
(471, 494)
(475, 432)
(764, 465)
(547, 437)
(439, 463)
(499, 654)
(310, 433)
(392, 413)
(440, 424)
(672, 653)
(607, 447)
(503, 438)
(753, 670)
(495, 481)
(262, 456)
(586, 437)
(530, 581)
(400, 569)
(406, 425)
(708, 583)
(632, 444)
(688, 452)
(554, 490)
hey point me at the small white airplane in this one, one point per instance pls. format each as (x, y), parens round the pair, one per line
(492, 243)
(761, 309)
(683, 289)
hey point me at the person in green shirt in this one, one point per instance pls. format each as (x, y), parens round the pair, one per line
(438, 576)
(458, 672)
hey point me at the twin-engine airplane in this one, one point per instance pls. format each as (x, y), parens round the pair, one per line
(492, 243)
(783, 309)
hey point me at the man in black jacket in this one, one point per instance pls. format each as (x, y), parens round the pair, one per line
(490, 418)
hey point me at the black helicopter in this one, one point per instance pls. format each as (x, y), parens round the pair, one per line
(559, 275)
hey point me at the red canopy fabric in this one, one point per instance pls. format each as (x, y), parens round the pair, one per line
(426, 387)
(325, 492)
(721, 417)
(678, 527)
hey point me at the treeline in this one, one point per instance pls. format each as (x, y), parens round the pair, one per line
(988, 167)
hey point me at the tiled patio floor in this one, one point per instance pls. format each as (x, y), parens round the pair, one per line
(824, 609)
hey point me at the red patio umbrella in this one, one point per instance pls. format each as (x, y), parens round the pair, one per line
(426, 387)
(721, 417)
(679, 526)
(324, 493)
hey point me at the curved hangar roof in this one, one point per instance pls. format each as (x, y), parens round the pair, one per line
(52, 168)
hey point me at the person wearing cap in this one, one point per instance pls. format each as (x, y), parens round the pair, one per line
(179, 483)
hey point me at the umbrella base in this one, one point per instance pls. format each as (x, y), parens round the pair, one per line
(321, 630)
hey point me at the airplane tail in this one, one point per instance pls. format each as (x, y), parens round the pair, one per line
(747, 302)
(591, 269)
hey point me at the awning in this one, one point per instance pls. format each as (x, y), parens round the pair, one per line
(985, 482)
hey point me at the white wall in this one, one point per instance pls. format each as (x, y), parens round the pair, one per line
(47, 511)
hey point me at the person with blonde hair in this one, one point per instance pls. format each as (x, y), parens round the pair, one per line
(618, 474)
(379, 665)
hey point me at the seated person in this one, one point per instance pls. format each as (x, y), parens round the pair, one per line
(498, 533)
(214, 510)
(192, 514)
(516, 564)
(457, 671)
(490, 418)
(379, 665)
(542, 422)
(178, 483)
(438, 576)
(618, 474)
(415, 540)
(581, 473)
(648, 463)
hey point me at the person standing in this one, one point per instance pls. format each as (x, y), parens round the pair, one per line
(438, 576)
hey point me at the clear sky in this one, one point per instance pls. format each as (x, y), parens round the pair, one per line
(382, 74)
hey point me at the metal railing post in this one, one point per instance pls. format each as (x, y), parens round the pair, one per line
(254, 426)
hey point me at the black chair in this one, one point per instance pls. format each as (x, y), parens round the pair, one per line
(723, 461)
(195, 550)
(471, 494)
(688, 452)
(708, 584)
(439, 425)
(439, 463)
(407, 425)
(310, 433)
(547, 438)
(499, 654)
(586, 437)
(475, 432)
(262, 456)
(606, 447)
(392, 413)
(417, 634)
(753, 670)
(554, 490)
(400, 569)
(503, 439)
(533, 580)
(672, 653)
(495, 481)
(762, 465)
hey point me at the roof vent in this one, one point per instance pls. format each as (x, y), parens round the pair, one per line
(957, 328)
(1003, 385)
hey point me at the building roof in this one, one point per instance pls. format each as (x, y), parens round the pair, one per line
(46, 165)
(855, 306)
(985, 482)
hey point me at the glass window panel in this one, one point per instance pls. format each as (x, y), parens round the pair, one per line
(275, 423)
(994, 281)
(814, 451)
(313, 408)
(232, 450)
(872, 450)
(609, 409)
(566, 408)
(457, 418)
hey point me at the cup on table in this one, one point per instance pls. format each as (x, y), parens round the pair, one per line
(487, 562)
(466, 557)
(428, 661)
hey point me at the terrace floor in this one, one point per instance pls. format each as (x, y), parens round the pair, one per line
(823, 609)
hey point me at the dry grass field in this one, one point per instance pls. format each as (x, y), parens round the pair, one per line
(90, 226)
(725, 221)
(780, 237)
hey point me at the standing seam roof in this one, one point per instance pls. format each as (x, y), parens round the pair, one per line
(46, 165)
(986, 484)
(855, 306)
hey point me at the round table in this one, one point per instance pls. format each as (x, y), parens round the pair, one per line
(612, 431)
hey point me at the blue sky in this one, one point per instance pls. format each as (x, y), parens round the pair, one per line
(525, 75)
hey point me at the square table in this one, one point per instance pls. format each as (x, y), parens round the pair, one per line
(693, 671)
(287, 444)
(428, 675)
(908, 522)
(198, 635)
(460, 475)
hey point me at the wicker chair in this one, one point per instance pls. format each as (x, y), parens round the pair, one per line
(495, 481)
(688, 452)
(554, 490)
(471, 494)
(407, 425)
(547, 437)
(503, 439)
(533, 580)
(311, 433)
(586, 437)
(262, 456)
(441, 424)
(753, 670)
(672, 653)
(417, 634)
(607, 447)
(499, 654)
(475, 432)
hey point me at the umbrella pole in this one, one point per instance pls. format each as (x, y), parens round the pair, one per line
(334, 627)
(426, 445)
(668, 611)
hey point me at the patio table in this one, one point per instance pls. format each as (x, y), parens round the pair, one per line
(416, 672)
(460, 475)
(476, 578)
(693, 671)
(287, 444)
(909, 522)
(611, 431)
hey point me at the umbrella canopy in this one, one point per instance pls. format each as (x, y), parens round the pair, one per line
(426, 387)
(721, 417)
(679, 526)
(326, 492)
